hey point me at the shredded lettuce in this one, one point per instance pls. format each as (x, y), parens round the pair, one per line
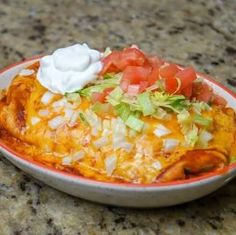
(101, 108)
(185, 121)
(203, 121)
(198, 107)
(176, 103)
(146, 103)
(191, 136)
(101, 84)
(73, 97)
(134, 123)
(82, 118)
(87, 92)
(114, 98)
(123, 110)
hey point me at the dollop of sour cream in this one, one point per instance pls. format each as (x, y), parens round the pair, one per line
(69, 69)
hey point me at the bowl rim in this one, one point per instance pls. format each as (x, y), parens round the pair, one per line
(82, 179)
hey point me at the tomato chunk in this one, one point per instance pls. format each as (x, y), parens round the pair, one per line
(218, 100)
(98, 97)
(110, 63)
(169, 71)
(171, 85)
(131, 57)
(101, 96)
(136, 74)
(187, 91)
(186, 76)
(117, 61)
(202, 92)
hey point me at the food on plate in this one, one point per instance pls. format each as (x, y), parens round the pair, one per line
(117, 116)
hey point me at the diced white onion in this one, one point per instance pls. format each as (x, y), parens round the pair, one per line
(161, 130)
(67, 161)
(170, 144)
(157, 165)
(119, 132)
(74, 119)
(35, 120)
(78, 155)
(43, 112)
(126, 146)
(59, 103)
(93, 120)
(205, 136)
(56, 122)
(106, 127)
(110, 164)
(68, 113)
(119, 127)
(103, 141)
(26, 72)
(46, 98)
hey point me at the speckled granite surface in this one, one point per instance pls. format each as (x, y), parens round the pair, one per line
(201, 33)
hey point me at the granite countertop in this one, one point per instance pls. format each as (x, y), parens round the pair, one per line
(200, 33)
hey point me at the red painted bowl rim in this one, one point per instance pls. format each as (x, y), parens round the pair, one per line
(133, 185)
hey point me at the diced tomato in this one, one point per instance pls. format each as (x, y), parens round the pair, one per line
(156, 60)
(98, 97)
(135, 74)
(168, 71)
(202, 92)
(186, 76)
(110, 63)
(133, 89)
(107, 91)
(218, 100)
(124, 85)
(131, 57)
(171, 85)
(143, 85)
(101, 96)
(153, 76)
(187, 91)
(117, 61)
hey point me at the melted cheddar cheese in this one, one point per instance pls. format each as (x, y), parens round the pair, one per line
(48, 128)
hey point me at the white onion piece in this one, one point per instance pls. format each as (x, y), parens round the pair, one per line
(110, 164)
(103, 141)
(56, 122)
(106, 127)
(59, 103)
(93, 120)
(119, 127)
(126, 146)
(43, 112)
(74, 119)
(78, 155)
(68, 113)
(157, 165)
(26, 72)
(67, 161)
(205, 136)
(47, 97)
(170, 144)
(35, 120)
(161, 131)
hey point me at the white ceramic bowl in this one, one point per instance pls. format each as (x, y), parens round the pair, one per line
(123, 194)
